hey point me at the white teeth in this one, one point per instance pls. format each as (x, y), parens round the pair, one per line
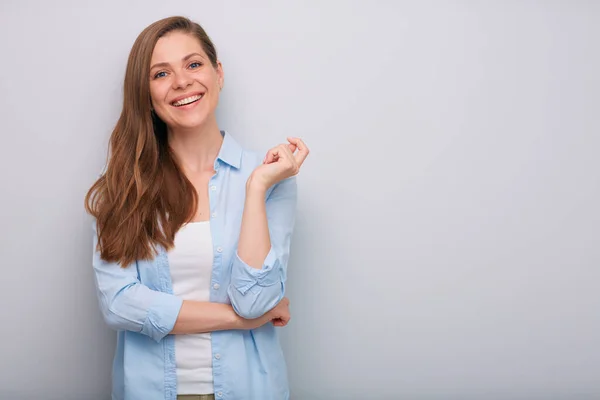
(187, 100)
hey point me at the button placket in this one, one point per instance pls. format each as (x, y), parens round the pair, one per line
(213, 201)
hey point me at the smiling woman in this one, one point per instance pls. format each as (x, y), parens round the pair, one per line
(193, 233)
(200, 77)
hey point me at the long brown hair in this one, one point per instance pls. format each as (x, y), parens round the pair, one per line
(142, 198)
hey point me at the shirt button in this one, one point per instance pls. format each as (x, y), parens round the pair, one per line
(214, 215)
(220, 249)
(218, 356)
(216, 286)
(220, 394)
(213, 188)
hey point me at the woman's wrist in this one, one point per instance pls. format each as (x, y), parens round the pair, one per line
(256, 184)
(237, 322)
(247, 324)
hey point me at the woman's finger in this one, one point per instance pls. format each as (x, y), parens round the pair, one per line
(272, 155)
(287, 154)
(303, 150)
(285, 151)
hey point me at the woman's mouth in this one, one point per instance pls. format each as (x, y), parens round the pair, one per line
(187, 101)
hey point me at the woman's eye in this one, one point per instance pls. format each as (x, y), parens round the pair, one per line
(195, 65)
(160, 74)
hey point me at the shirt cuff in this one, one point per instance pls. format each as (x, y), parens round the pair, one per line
(245, 277)
(162, 316)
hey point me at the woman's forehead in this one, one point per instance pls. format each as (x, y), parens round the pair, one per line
(174, 46)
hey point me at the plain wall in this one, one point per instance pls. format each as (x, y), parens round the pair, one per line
(448, 221)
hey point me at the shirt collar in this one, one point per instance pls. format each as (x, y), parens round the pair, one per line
(231, 151)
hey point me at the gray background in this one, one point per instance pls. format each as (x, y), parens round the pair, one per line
(448, 220)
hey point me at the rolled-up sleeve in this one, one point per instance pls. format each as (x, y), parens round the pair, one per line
(253, 291)
(127, 304)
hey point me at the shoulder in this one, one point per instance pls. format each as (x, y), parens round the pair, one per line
(237, 155)
(251, 158)
(240, 156)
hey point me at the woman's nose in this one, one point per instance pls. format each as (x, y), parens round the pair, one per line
(182, 80)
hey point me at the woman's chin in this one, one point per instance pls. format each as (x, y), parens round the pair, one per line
(191, 123)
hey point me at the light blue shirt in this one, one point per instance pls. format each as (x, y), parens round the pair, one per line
(138, 301)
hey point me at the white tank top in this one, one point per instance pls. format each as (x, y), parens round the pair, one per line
(190, 262)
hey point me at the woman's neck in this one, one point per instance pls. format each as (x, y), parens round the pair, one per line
(196, 149)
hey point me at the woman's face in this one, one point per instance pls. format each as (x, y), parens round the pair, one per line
(184, 85)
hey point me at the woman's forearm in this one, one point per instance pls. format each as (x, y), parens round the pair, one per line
(201, 317)
(254, 241)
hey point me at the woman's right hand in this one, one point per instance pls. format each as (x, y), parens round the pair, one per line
(279, 316)
(281, 313)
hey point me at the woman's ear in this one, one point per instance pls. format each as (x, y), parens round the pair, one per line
(220, 75)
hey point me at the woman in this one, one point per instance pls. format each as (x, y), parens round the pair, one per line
(192, 233)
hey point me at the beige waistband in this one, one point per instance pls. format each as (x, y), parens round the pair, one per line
(195, 397)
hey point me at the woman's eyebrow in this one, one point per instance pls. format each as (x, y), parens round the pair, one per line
(166, 64)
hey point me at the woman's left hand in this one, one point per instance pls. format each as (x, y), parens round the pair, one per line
(281, 162)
